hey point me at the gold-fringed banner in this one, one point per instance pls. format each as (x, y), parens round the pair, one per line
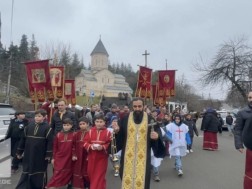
(166, 83)
(39, 80)
(144, 83)
(70, 91)
(57, 80)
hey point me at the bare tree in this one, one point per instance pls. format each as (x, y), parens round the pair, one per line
(52, 49)
(229, 67)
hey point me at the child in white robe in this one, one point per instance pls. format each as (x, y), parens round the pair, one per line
(178, 131)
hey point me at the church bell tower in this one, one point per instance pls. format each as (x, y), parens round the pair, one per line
(99, 57)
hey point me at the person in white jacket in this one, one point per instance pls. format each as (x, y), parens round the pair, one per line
(178, 132)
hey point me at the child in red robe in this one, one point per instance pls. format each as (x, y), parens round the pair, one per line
(96, 142)
(63, 155)
(80, 177)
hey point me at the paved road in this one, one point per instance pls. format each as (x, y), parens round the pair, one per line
(222, 169)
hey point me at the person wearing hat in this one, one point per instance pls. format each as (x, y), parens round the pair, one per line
(15, 132)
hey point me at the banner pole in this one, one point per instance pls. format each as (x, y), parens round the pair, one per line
(63, 83)
(35, 99)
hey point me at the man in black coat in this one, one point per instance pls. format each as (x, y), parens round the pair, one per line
(243, 134)
(61, 114)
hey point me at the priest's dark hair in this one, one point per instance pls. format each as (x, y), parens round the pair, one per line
(41, 111)
(67, 121)
(100, 116)
(136, 99)
(84, 119)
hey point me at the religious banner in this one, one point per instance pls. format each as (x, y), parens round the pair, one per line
(57, 80)
(144, 83)
(157, 100)
(39, 80)
(166, 83)
(32, 94)
(70, 91)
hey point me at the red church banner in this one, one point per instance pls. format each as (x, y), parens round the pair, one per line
(157, 101)
(166, 81)
(70, 91)
(144, 83)
(39, 80)
(57, 80)
(32, 94)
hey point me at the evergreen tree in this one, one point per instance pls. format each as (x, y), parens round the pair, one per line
(82, 63)
(122, 68)
(33, 49)
(117, 69)
(65, 60)
(19, 78)
(4, 63)
(18, 74)
(129, 68)
(76, 66)
(24, 53)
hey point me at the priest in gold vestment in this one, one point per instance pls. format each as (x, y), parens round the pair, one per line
(137, 140)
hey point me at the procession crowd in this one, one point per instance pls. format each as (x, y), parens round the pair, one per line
(79, 143)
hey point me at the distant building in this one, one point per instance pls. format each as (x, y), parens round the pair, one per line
(99, 80)
(181, 105)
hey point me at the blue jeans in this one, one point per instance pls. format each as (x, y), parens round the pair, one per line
(155, 170)
(230, 128)
(178, 162)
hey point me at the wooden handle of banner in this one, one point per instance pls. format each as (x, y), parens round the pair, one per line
(36, 100)
(35, 61)
(51, 111)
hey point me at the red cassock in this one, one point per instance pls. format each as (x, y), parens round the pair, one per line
(97, 160)
(80, 166)
(248, 170)
(63, 150)
(210, 141)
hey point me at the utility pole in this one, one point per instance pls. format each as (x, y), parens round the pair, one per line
(166, 64)
(146, 54)
(9, 80)
(11, 58)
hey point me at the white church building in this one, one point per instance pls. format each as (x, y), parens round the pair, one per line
(99, 80)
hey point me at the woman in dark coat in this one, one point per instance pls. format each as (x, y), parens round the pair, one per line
(210, 124)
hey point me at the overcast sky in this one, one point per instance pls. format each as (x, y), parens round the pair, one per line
(176, 30)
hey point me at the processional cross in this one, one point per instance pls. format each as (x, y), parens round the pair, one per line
(146, 54)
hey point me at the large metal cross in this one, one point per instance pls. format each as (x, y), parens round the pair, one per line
(146, 54)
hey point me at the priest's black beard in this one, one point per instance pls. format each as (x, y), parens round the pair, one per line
(138, 116)
(250, 104)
